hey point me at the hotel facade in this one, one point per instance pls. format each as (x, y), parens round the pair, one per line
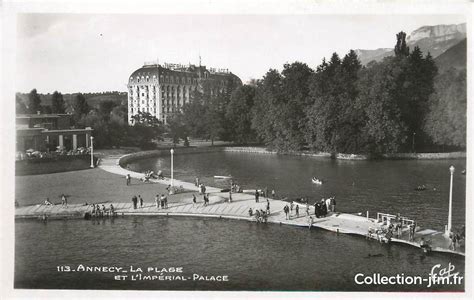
(162, 90)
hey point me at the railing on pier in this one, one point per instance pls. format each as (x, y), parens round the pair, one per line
(388, 218)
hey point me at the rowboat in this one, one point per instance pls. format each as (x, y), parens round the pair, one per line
(316, 180)
(222, 177)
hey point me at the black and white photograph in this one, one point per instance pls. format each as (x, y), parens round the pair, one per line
(223, 147)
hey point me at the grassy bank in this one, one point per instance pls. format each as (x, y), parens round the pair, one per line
(91, 186)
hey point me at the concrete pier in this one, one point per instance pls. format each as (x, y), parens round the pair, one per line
(220, 207)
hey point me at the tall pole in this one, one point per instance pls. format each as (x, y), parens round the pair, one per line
(451, 169)
(172, 152)
(413, 143)
(92, 152)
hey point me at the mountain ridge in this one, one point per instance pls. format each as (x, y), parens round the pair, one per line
(435, 39)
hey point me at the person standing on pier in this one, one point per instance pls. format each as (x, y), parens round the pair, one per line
(230, 196)
(112, 210)
(194, 200)
(196, 182)
(333, 204)
(273, 194)
(157, 201)
(286, 209)
(64, 200)
(257, 195)
(141, 201)
(297, 209)
(134, 201)
(307, 209)
(411, 232)
(328, 204)
(162, 201)
(310, 222)
(268, 206)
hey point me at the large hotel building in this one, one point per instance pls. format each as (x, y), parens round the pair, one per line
(162, 90)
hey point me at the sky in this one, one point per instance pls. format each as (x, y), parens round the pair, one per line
(98, 52)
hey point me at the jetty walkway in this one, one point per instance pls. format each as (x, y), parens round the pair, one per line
(220, 207)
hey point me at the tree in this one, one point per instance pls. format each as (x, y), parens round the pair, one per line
(80, 107)
(265, 109)
(279, 111)
(177, 128)
(146, 119)
(106, 107)
(322, 132)
(383, 131)
(194, 115)
(238, 114)
(57, 103)
(445, 122)
(20, 107)
(401, 48)
(34, 102)
(146, 128)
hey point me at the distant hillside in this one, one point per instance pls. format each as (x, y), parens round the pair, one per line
(434, 39)
(454, 57)
(93, 99)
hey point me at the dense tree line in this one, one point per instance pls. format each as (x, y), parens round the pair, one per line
(400, 104)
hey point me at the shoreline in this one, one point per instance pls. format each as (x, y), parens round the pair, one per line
(261, 150)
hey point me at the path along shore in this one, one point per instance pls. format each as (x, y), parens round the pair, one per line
(219, 206)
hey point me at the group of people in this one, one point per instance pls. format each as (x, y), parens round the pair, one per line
(288, 210)
(261, 216)
(135, 201)
(456, 238)
(149, 174)
(324, 206)
(235, 188)
(161, 201)
(63, 201)
(98, 211)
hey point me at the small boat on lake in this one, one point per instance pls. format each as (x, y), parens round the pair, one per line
(316, 181)
(222, 177)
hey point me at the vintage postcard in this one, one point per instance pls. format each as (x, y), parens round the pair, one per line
(176, 148)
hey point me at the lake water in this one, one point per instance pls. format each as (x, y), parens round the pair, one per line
(376, 186)
(253, 256)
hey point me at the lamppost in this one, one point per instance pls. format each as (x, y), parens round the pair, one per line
(172, 152)
(413, 143)
(448, 230)
(92, 152)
